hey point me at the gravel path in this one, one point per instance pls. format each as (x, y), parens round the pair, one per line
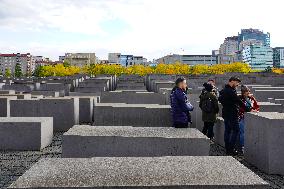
(14, 163)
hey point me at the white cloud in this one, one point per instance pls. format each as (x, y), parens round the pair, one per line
(154, 27)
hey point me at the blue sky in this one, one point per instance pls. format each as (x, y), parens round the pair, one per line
(151, 28)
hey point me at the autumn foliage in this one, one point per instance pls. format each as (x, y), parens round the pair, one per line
(278, 70)
(176, 68)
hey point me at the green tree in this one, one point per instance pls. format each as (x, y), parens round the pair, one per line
(268, 69)
(8, 72)
(66, 63)
(38, 71)
(18, 70)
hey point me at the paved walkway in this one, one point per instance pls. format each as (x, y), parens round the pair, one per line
(14, 163)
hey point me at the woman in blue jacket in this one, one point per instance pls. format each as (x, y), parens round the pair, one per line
(180, 106)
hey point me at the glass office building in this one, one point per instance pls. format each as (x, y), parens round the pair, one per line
(126, 60)
(259, 57)
(278, 57)
(254, 35)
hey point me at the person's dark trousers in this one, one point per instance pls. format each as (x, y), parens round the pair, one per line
(231, 133)
(208, 129)
(180, 125)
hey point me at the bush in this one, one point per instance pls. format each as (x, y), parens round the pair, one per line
(176, 68)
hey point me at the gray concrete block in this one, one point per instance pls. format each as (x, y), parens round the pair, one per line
(5, 105)
(89, 89)
(192, 172)
(62, 88)
(25, 108)
(95, 83)
(163, 84)
(18, 87)
(46, 93)
(65, 111)
(127, 85)
(270, 107)
(7, 91)
(25, 133)
(219, 130)
(264, 141)
(125, 141)
(86, 108)
(133, 97)
(140, 115)
(263, 95)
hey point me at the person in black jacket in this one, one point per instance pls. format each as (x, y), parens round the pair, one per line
(180, 106)
(231, 105)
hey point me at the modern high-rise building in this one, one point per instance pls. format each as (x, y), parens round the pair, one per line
(228, 50)
(9, 61)
(189, 59)
(259, 57)
(253, 36)
(278, 57)
(230, 46)
(81, 59)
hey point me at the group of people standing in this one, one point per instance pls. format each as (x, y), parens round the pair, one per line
(234, 108)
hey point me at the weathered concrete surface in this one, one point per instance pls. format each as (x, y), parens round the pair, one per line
(86, 108)
(7, 91)
(219, 130)
(133, 97)
(270, 107)
(19, 96)
(46, 93)
(83, 141)
(264, 141)
(25, 133)
(65, 111)
(5, 105)
(263, 95)
(62, 88)
(138, 115)
(139, 172)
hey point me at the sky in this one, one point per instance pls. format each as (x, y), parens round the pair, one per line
(149, 28)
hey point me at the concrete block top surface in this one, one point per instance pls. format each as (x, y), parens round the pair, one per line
(119, 91)
(131, 172)
(25, 119)
(268, 103)
(171, 82)
(269, 115)
(269, 90)
(133, 105)
(128, 131)
(13, 97)
(251, 85)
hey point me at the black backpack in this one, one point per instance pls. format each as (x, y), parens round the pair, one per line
(207, 105)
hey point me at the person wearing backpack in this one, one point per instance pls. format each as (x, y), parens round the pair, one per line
(180, 106)
(231, 103)
(209, 106)
(214, 90)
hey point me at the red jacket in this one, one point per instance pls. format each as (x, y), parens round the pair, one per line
(252, 103)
